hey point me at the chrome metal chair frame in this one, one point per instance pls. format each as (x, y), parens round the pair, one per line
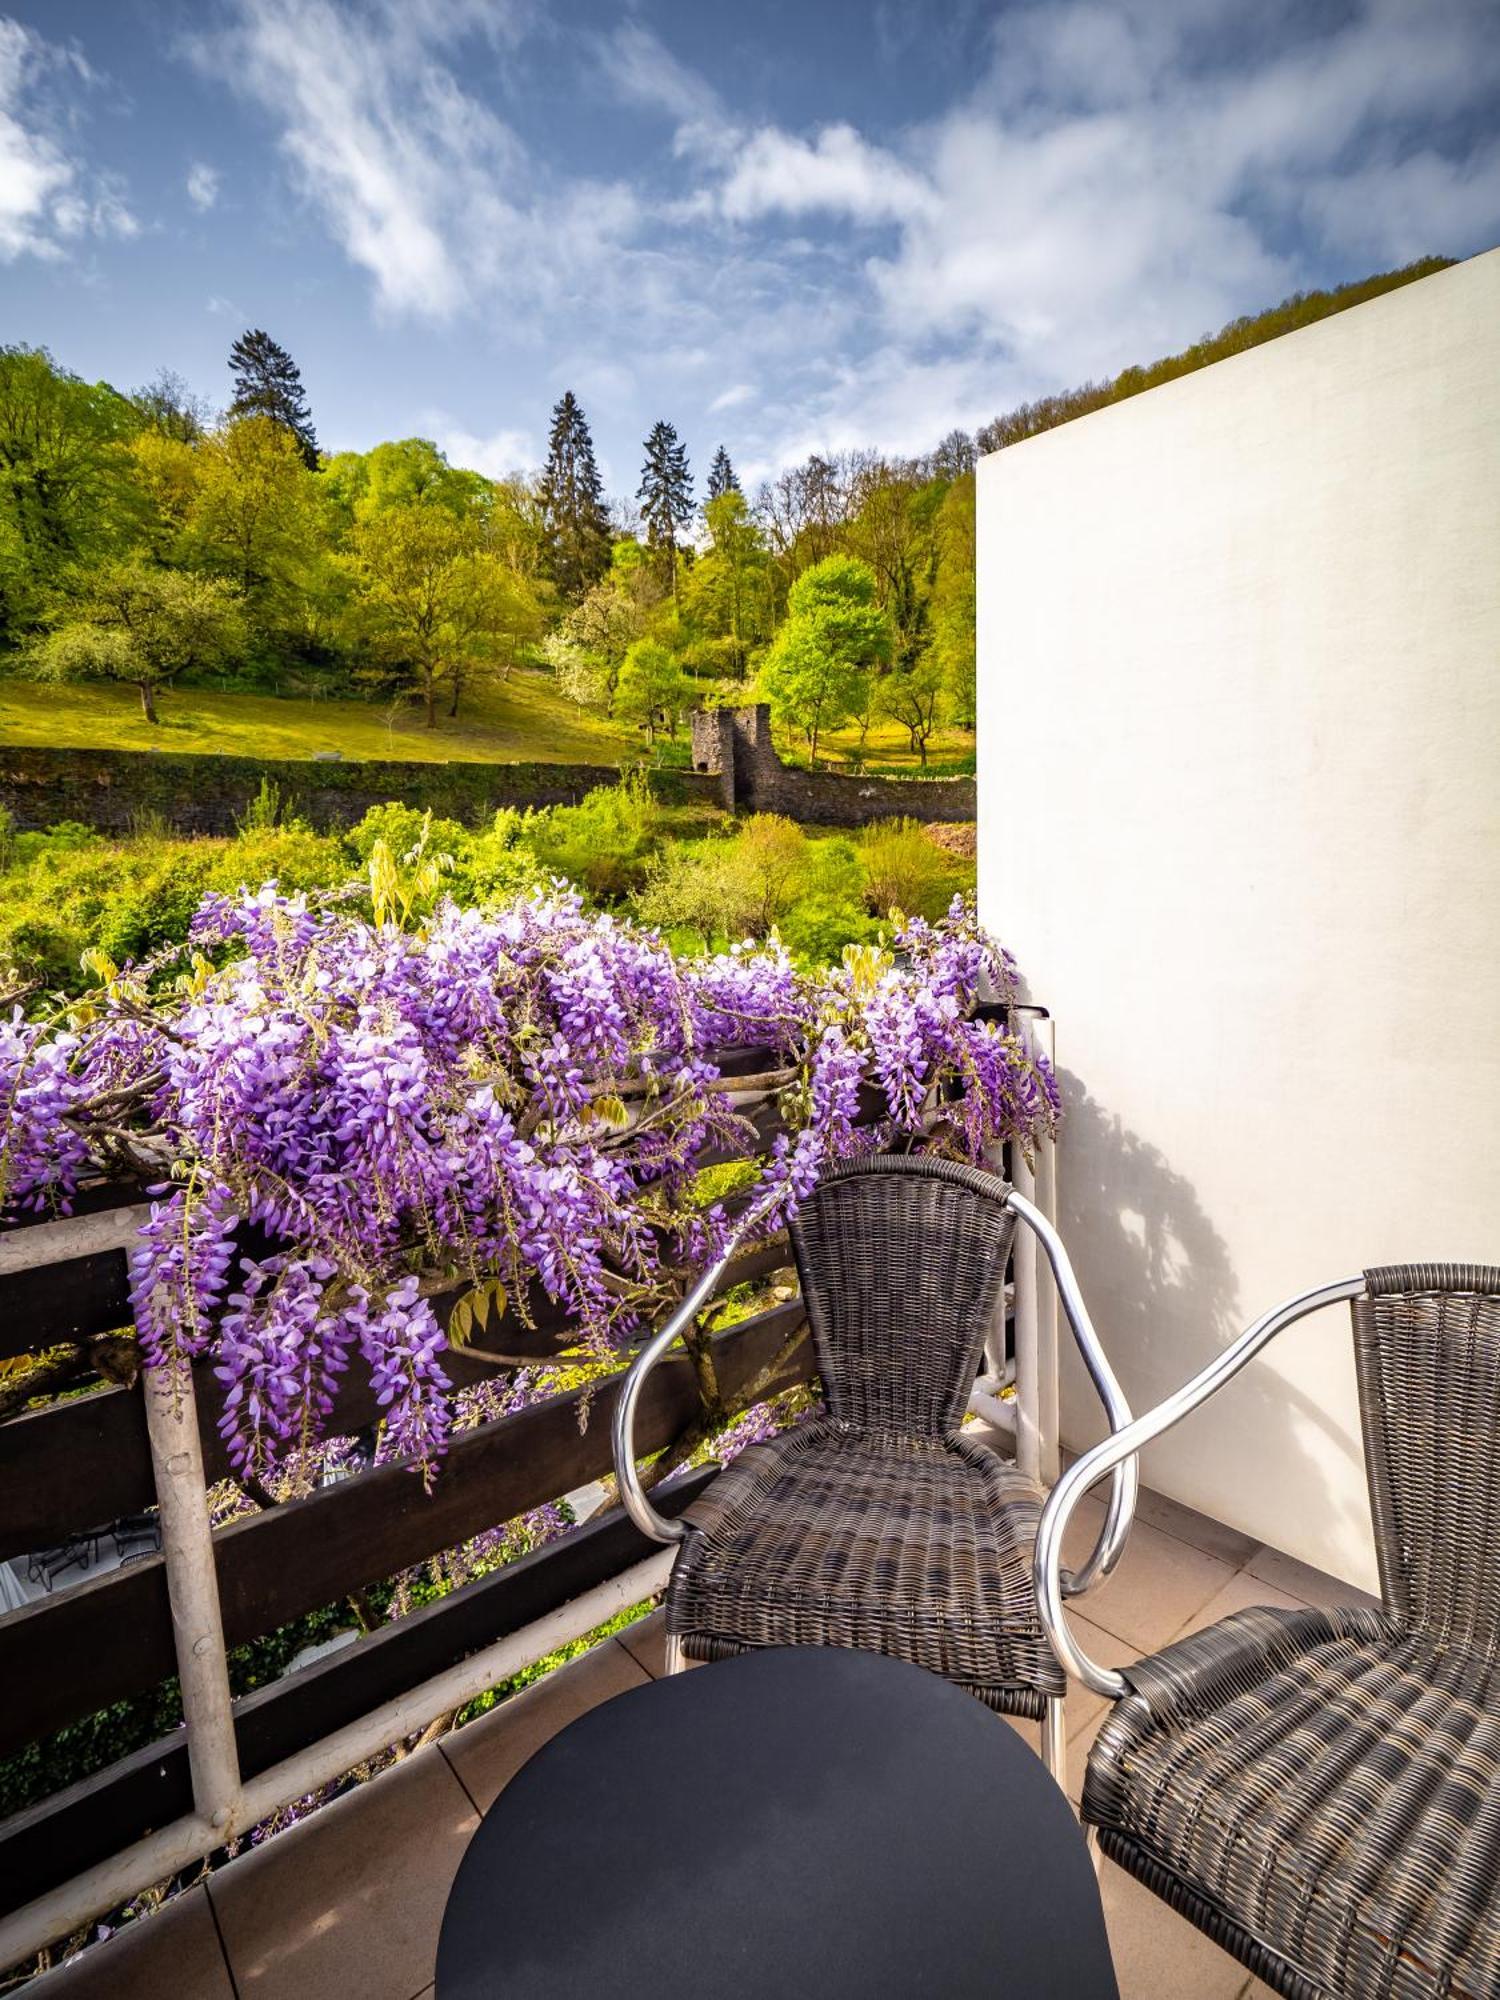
(1123, 1447)
(1112, 1537)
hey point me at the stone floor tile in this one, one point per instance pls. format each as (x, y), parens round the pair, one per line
(487, 1753)
(1158, 1586)
(1301, 1580)
(1199, 1531)
(349, 1901)
(176, 1951)
(1241, 1593)
(1159, 1956)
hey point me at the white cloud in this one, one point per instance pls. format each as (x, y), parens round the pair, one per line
(644, 72)
(407, 170)
(48, 194)
(1118, 179)
(202, 186)
(503, 452)
(836, 173)
(732, 397)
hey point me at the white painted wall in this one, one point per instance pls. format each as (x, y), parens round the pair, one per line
(1239, 654)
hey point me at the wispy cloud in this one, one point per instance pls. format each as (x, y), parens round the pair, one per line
(49, 194)
(732, 397)
(202, 186)
(407, 170)
(1110, 182)
(1116, 181)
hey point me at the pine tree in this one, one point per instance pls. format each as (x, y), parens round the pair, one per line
(722, 477)
(268, 383)
(573, 510)
(666, 495)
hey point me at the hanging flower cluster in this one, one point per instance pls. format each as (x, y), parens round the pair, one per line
(520, 1099)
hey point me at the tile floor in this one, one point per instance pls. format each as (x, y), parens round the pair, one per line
(315, 1914)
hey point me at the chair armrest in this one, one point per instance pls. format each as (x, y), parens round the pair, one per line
(1125, 1444)
(622, 1428)
(1112, 1537)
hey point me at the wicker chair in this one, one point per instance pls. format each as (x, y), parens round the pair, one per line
(1319, 1791)
(881, 1525)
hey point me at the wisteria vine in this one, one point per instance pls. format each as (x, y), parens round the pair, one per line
(521, 1099)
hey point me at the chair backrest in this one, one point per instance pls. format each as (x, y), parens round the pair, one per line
(902, 1261)
(1427, 1351)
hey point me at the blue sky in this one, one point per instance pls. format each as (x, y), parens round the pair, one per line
(786, 226)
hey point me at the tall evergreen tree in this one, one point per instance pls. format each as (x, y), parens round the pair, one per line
(722, 477)
(575, 518)
(666, 495)
(268, 383)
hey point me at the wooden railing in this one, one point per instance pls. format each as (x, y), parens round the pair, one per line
(86, 1459)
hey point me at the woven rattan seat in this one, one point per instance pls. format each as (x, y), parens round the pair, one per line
(916, 1546)
(1320, 1791)
(880, 1527)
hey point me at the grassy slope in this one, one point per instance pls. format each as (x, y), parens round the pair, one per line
(522, 720)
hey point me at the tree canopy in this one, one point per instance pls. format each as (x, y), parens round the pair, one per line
(571, 495)
(268, 383)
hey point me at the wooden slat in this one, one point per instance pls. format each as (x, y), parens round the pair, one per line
(72, 1654)
(90, 1199)
(52, 1303)
(84, 1461)
(60, 1837)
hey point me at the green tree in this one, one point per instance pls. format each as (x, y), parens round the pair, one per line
(835, 633)
(571, 493)
(435, 603)
(722, 477)
(666, 497)
(726, 594)
(407, 473)
(66, 493)
(170, 409)
(651, 688)
(952, 601)
(142, 625)
(256, 517)
(918, 697)
(268, 383)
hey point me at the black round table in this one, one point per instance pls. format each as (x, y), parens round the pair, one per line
(800, 1821)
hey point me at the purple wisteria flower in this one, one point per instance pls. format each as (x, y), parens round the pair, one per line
(357, 1119)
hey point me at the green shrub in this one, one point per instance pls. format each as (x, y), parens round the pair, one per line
(740, 887)
(604, 843)
(905, 870)
(402, 828)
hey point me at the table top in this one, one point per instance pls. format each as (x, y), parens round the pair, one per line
(798, 1820)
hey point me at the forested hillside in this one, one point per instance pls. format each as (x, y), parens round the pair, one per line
(154, 546)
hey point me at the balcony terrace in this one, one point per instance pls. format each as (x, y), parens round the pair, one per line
(350, 1900)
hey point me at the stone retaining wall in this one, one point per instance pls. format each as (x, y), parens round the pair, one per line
(113, 790)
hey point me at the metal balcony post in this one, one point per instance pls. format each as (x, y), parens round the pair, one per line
(193, 1591)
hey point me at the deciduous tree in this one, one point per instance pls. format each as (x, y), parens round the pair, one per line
(651, 689)
(436, 604)
(835, 632)
(143, 625)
